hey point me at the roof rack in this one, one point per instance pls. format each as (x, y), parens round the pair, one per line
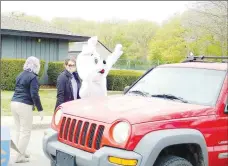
(192, 58)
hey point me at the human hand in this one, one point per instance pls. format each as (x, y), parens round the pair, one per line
(41, 115)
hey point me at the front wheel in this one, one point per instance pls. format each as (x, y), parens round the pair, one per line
(172, 161)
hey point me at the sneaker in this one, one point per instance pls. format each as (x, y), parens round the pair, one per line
(27, 155)
(21, 159)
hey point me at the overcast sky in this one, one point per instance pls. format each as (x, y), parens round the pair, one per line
(98, 10)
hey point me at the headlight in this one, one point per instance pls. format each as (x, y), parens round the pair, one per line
(58, 116)
(121, 132)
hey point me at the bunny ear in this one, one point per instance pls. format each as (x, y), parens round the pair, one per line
(92, 41)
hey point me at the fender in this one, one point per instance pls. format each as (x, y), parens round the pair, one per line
(153, 143)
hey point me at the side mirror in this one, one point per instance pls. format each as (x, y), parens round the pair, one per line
(126, 89)
(226, 105)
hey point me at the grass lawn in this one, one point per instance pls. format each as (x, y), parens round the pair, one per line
(48, 99)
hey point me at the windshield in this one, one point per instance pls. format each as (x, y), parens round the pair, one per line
(195, 86)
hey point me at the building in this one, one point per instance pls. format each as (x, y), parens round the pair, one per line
(21, 39)
(75, 49)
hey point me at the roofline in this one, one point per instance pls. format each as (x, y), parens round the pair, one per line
(105, 47)
(70, 38)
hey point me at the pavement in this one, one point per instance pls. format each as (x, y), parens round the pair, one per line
(35, 143)
(37, 157)
(37, 123)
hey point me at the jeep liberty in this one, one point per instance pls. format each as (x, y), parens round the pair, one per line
(174, 115)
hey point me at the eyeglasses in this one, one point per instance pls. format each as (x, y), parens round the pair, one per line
(71, 65)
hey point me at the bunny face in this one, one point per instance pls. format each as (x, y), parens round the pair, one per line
(90, 65)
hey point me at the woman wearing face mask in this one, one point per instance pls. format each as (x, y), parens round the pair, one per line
(26, 95)
(68, 83)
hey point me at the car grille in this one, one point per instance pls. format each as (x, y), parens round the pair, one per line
(81, 133)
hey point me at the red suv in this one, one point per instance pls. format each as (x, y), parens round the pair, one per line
(174, 115)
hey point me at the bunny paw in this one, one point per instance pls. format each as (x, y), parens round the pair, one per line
(118, 48)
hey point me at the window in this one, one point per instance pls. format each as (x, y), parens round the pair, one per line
(196, 86)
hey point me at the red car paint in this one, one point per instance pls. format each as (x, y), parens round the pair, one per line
(212, 122)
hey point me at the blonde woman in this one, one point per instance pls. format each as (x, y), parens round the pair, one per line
(25, 97)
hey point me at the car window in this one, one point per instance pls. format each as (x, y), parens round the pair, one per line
(197, 86)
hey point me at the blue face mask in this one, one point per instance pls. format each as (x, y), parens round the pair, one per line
(72, 69)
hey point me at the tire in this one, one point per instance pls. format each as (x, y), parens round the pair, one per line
(172, 161)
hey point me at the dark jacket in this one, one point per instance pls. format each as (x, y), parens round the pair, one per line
(27, 90)
(64, 87)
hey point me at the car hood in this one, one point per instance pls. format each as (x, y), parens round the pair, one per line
(135, 109)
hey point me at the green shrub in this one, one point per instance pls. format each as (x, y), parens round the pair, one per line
(116, 80)
(10, 68)
(54, 69)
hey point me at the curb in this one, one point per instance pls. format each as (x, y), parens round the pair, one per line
(35, 126)
(40, 126)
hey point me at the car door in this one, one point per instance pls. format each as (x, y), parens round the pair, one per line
(220, 149)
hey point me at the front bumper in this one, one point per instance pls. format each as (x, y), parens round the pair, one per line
(83, 158)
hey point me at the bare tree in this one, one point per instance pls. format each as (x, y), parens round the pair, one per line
(211, 17)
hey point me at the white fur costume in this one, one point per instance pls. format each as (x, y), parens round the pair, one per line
(93, 70)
